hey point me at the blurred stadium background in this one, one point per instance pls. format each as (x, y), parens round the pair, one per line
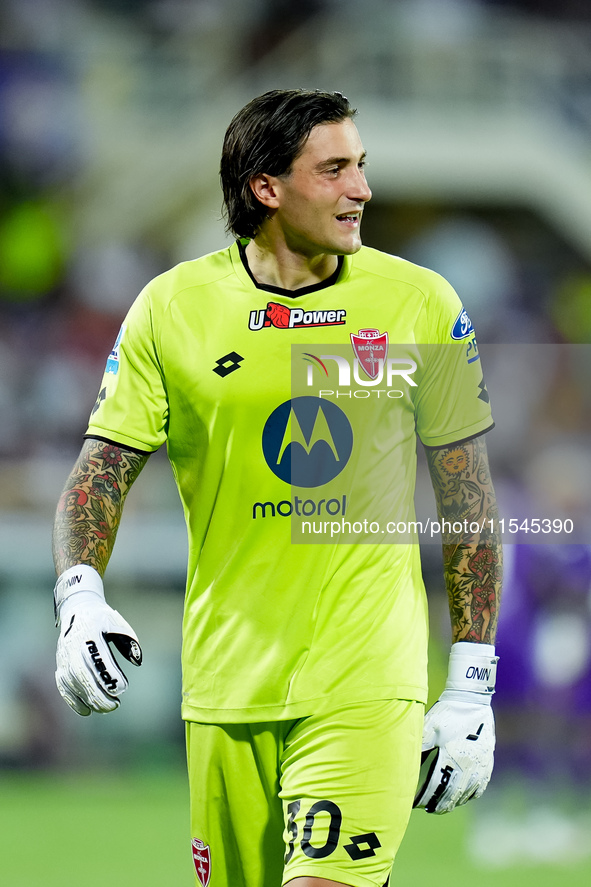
(477, 119)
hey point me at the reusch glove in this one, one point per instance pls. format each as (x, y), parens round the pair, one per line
(459, 731)
(88, 676)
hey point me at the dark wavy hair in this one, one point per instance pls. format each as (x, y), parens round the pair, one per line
(265, 137)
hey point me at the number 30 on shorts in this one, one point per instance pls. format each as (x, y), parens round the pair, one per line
(361, 846)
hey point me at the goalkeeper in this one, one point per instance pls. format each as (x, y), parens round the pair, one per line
(304, 665)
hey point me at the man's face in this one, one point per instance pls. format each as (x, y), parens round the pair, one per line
(320, 203)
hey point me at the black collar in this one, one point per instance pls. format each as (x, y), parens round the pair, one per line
(280, 291)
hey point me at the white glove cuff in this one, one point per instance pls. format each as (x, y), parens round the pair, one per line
(472, 667)
(78, 578)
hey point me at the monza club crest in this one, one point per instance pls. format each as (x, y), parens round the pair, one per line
(370, 347)
(202, 861)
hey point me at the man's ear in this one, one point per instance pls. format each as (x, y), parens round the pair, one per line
(264, 189)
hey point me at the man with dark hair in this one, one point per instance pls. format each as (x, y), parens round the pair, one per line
(265, 137)
(304, 664)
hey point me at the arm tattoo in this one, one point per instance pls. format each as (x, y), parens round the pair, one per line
(472, 561)
(89, 509)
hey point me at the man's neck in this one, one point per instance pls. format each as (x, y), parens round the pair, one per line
(279, 266)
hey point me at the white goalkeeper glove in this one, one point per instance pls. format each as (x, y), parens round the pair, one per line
(88, 676)
(459, 731)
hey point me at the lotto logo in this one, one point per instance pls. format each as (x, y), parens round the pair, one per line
(227, 364)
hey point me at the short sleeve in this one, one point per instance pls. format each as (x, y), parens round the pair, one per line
(451, 400)
(132, 406)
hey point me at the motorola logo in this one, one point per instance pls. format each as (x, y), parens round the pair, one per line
(307, 441)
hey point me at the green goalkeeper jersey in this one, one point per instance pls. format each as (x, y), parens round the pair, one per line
(290, 419)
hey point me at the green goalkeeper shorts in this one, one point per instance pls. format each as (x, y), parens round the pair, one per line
(328, 795)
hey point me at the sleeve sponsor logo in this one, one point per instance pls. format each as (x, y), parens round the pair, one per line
(472, 353)
(284, 318)
(462, 327)
(113, 359)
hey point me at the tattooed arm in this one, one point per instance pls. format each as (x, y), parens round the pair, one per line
(472, 561)
(88, 515)
(89, 510)
(459, 728)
